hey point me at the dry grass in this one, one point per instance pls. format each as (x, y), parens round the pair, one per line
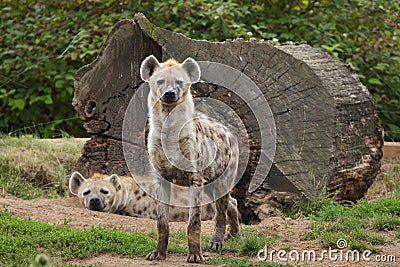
(387, 183)
(31, 167)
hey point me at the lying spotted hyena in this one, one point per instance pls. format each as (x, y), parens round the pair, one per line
(122, 195)
(170, 88)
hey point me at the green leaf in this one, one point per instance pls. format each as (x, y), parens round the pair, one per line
(4, 93)
(374, 81)
(330, 49)
(59, 84)
(381, 66)
(43, 98)
(393, 127)
(70, 90)
(17, 103)
(69, 77)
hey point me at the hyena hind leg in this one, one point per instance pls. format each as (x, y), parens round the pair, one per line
(233, 217)
(217, 240)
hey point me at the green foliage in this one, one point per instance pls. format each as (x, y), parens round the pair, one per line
(45, 42)
(22, 239)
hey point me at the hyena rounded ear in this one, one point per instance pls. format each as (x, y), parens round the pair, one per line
(148, 67)
(114, 180)
(192, 68)
(75, 182)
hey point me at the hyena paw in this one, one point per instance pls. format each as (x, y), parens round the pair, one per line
(216, 243)
(156, 255)
(194, 257)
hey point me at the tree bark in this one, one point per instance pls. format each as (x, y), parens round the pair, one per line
(328, 138)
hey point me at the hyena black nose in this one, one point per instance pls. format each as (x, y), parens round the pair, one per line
(169, 96)
(94, 201)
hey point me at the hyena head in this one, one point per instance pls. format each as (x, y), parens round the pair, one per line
(169, 81)
(96, 193)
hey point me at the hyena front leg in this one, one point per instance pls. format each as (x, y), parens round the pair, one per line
(193, 232)
(217, 240)
(194, 226)
(163, 193)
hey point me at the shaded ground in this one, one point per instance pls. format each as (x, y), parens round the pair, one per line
(287, 232)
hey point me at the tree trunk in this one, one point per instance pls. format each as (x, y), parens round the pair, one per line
(327, 134)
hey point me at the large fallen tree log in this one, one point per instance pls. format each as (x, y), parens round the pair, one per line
(327, 134)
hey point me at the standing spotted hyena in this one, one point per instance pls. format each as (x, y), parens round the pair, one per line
(187, 134)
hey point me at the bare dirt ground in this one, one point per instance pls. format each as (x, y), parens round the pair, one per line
(287, 232)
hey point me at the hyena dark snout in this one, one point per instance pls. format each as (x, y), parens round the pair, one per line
(95, 203)
(170, 90)
(169, 96)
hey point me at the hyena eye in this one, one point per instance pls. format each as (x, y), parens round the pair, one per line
(179, 83)
(86, 193)
(104, 191)
(160, 82)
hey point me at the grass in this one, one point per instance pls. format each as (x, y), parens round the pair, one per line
(32, 167)
(247, 243)
(387, 183)
(22, 239)
(177, 242)
(363, 225)
(241, 249)
(373, 220)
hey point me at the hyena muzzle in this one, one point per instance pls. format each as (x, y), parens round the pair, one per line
(188, 136)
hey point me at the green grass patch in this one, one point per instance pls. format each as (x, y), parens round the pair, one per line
(386, 222)
(247, 243)
(32, 167)
(22, 239)
(359, 224)
(178, 242)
